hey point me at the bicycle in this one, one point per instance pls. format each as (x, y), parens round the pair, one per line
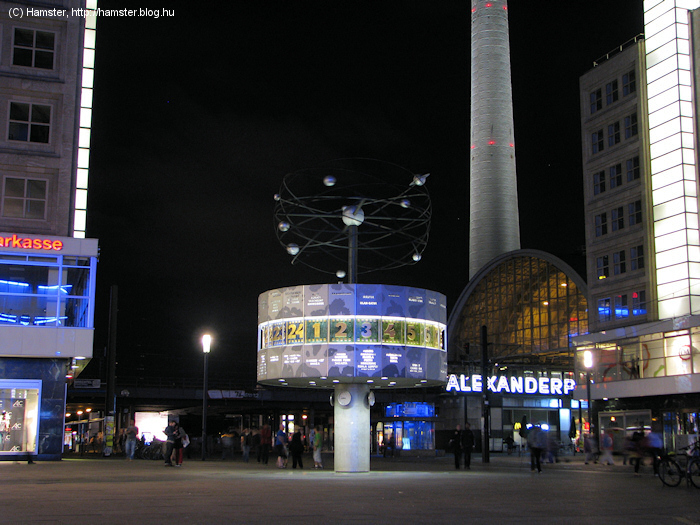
(671, 473)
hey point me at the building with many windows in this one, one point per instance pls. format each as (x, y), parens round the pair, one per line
(639, 128)
(47, 266)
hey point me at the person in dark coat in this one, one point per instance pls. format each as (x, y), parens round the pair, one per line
(456, 444)
(468, 442)
(296, 449)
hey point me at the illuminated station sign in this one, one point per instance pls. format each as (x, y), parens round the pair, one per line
(546, 386)
(317, 335)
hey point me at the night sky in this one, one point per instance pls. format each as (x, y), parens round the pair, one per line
(198, 117)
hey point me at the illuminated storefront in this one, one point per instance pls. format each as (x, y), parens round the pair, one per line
(47, 291)
(407, 428)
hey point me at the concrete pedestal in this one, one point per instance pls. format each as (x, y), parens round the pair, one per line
(352, 428)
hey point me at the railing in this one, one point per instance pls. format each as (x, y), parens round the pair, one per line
(618, 49)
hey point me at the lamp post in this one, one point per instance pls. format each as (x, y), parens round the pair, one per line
(588, 364)
(206, 347)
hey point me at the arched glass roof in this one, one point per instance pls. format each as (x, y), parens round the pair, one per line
(531, 304)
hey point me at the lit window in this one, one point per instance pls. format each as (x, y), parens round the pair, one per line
(24, 198)
(622, 309)
(637, 257)
(618, 218)
(596, 101)
(632, 169)
(613, 134)
(619, 266)
(611, 94)
(29, 122)
(33, 48)
(639, 303)
(597, 141)
(604, 310)
(601, 224)
(629, 84)
(602, 267)
(599, 182)
(634, 212)
(615, 176)
(631, 125)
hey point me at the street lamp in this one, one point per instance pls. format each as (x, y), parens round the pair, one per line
(206, 347)
(588, 364)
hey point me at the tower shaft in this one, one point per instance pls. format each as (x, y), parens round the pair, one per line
(493, 222)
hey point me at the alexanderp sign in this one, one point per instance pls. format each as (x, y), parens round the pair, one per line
(544, 386)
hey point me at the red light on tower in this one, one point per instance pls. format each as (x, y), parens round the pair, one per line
(489, 4)
(492, 142)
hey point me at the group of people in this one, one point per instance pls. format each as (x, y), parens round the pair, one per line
(175, 443)
(284, 447)
(461, 444)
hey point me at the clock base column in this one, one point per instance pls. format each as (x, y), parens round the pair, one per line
(351, 428)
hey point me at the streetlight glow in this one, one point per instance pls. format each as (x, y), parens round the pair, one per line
(588, 359)
(206, 343)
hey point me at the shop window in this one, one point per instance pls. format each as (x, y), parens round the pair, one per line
(19, 416)
(46, 291)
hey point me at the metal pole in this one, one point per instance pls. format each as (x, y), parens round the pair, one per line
(590, 409)
(204, 405)
(486, 409)
(352, 254)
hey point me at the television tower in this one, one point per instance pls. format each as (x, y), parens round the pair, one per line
(494, 226)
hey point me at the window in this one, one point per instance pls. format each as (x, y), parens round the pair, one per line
(601, 224)
(637, 257)
(599, 182)
(29, 122)
(619, 266)
(634, 212)
(632, 169)
(596, 101)
(639, 303)
(24, 198)
(604, 310)
(631, 125)
(46, 291)
(611, 94)
(602, 267)
(597, 141)
(617, 217)
(613, 134)
(622, 309)
(33, 48)
(615, 176)
(629, 83)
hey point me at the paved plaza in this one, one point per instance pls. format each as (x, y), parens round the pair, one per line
(397, 490)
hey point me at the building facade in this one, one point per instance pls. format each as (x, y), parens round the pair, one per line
(47, 266)
(639, 127)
